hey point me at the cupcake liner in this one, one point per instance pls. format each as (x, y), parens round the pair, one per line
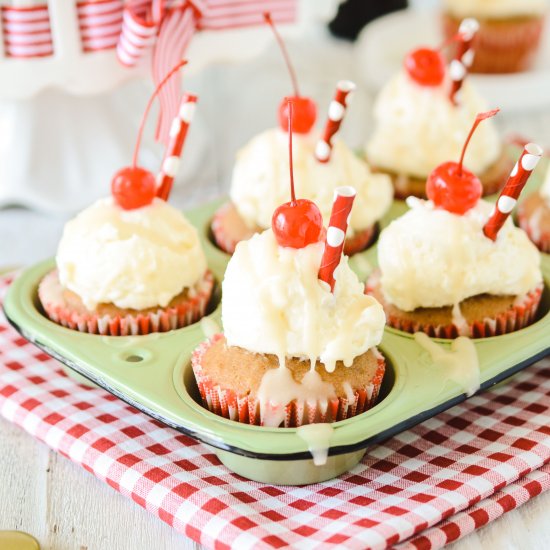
(539, 237)
(221, 237)
(502, 46)
(522, 314)
(245, 409)
(227, 243)
(140, 323)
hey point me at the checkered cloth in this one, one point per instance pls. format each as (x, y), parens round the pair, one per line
(420, 490)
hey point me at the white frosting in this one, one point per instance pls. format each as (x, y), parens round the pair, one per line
(273, 302)
(545, 188)
(131, 258)
(417, 128)
(432, 258)
(261, 180)
(495, 8)
(317, 437)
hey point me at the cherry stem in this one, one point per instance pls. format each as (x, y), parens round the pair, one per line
(269, 21)
(149, 105)
(480, 117)
(290, 115)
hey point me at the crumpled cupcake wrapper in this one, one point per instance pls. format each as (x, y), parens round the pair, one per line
(356, 243)
(162, 320)
(521, 315)
(225, 402)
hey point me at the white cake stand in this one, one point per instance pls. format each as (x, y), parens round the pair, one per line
(69, 121)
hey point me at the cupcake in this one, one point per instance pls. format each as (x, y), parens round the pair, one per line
(322, 163)
(300, 335)
(534, 216)
(455, 264)
(509, 35)
(131, 263)
(422, 116)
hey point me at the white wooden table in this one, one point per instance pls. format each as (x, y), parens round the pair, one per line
(65, 507)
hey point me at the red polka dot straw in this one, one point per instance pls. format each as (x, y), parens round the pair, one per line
(336, 112)
(464, 56)
(178, 133)
(507, 199)
(336, 233)
(422, 489)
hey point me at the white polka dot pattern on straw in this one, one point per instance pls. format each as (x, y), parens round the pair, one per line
(507, 200)
(178, 133)
(336, 113)
(336, 233)
(464, 57)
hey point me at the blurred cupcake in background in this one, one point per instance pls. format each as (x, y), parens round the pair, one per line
(510, 31)
(423, 115)
(534, 216)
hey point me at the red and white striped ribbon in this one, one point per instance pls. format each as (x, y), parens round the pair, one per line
(100, 24)
(336, 233)
(464, 56)
(178, 133)
(138, 32)
(508, 197)
(27, 31)
(336, 112)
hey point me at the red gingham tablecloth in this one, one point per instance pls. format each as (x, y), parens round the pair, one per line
(420, 490)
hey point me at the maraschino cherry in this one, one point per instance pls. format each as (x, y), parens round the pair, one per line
(426, 66)
(135, 187)
(451, 186)
(299, 222)
(305, 109)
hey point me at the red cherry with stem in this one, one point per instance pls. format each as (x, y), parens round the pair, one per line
(451, 186)
(305, 109)
(134, 187)
(297, 223)
(426, 66)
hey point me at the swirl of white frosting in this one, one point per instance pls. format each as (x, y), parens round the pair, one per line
(498, 9)
(261, 180)
(273, 302)
(131, 258)
(545, 188)
(417, 128)
(430, 257)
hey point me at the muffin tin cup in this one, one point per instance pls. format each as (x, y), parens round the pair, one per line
(154, 374)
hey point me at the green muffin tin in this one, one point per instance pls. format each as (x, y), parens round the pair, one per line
(153, 373)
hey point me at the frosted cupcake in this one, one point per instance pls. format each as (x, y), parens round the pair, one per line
(322, 163)
(510, 31)
(455, 265)
(534, 216)
(131, 263)
(422, 116)
(300, 335)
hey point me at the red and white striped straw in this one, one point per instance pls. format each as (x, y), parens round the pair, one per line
(508, 197)
(464, 57)
(100, 24)
(178, 133)
(336, 233)
(336, 112)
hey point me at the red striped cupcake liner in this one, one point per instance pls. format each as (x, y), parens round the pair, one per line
(180, 315)
(522, 314)
(246, 409)
(540, 239)
(354, 244)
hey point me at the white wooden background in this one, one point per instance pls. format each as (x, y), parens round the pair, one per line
(65, 507)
